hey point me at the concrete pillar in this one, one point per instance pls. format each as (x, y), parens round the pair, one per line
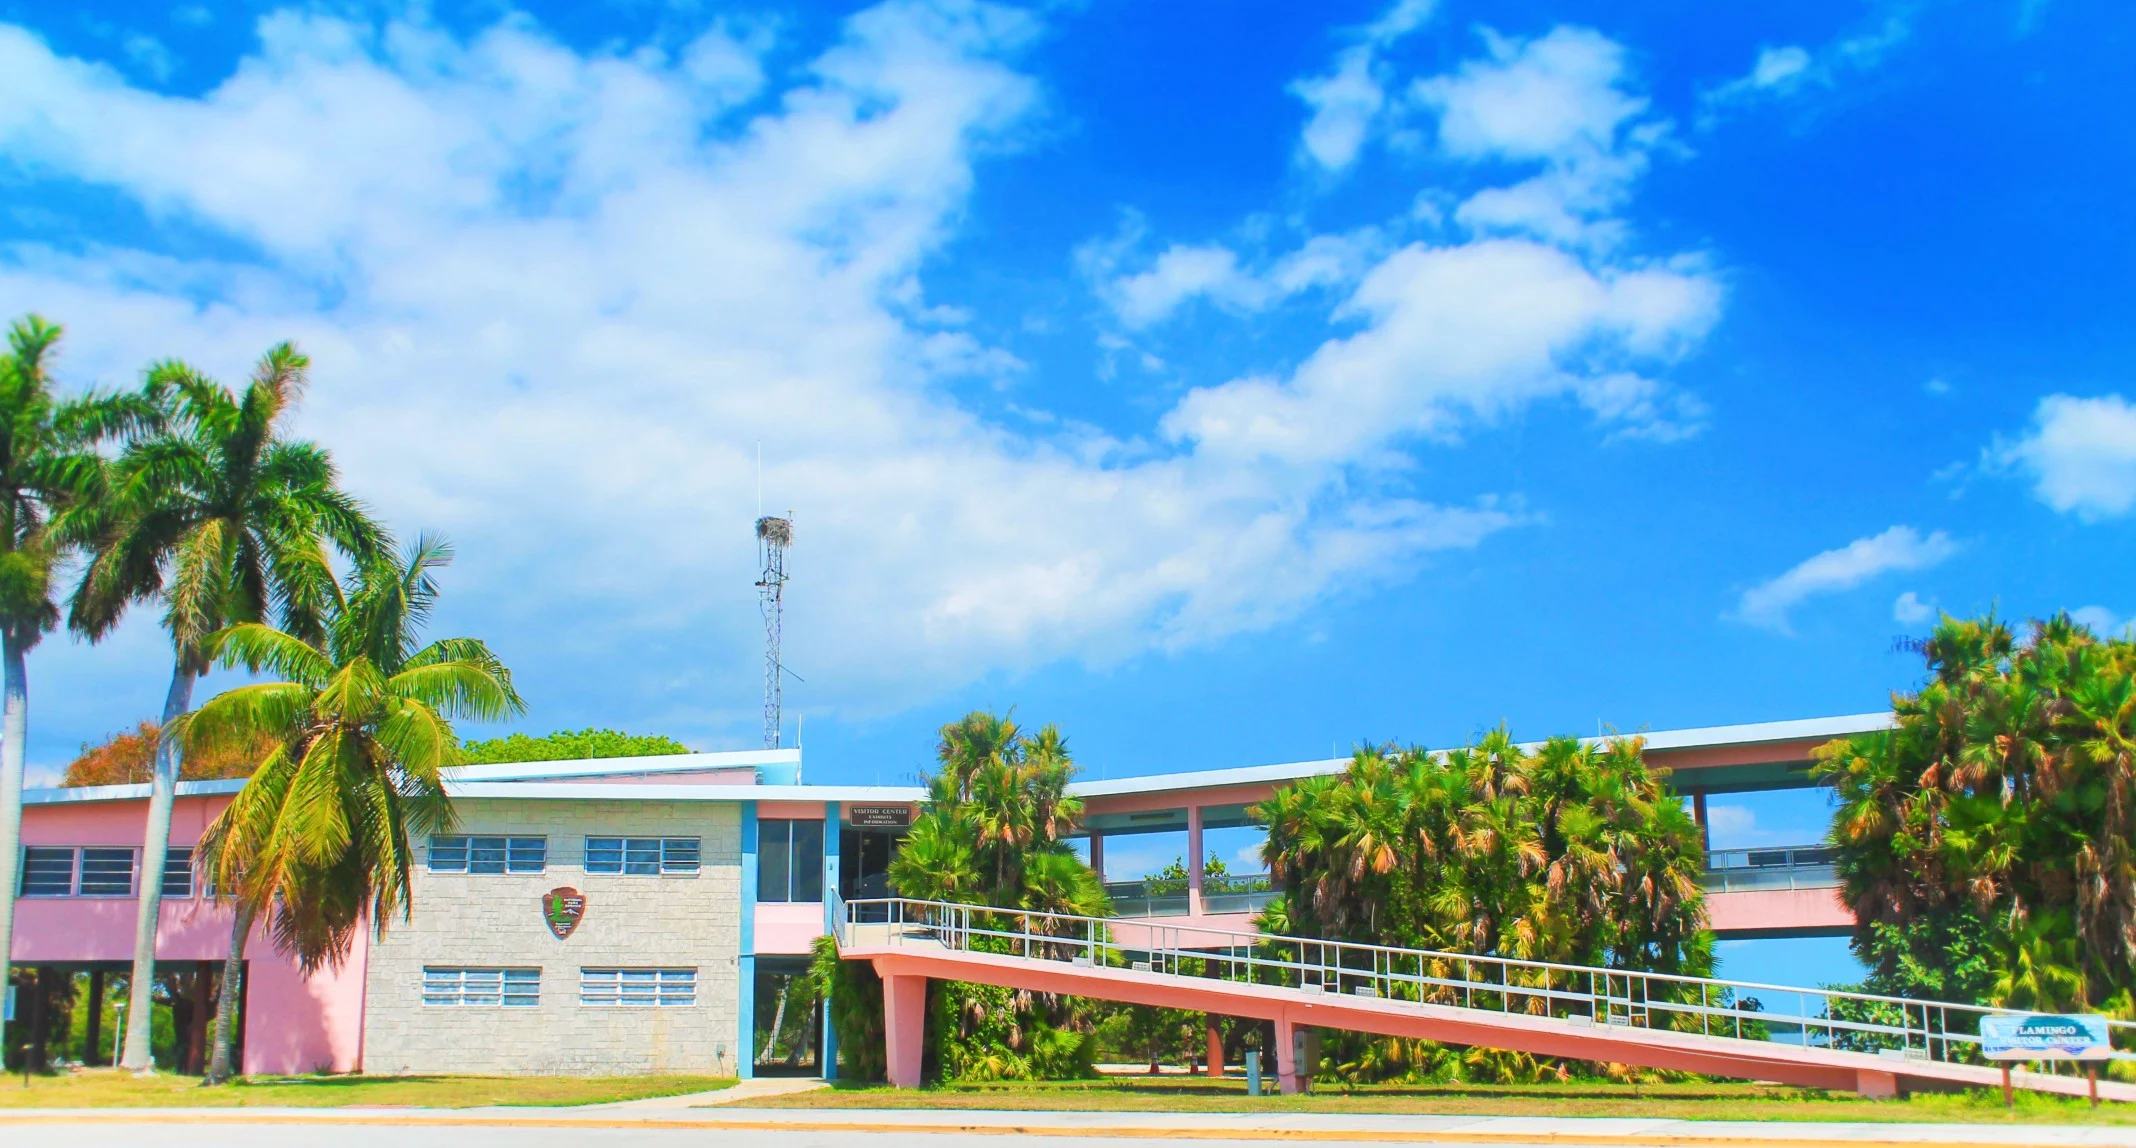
(1215, 1040)
(1288, 1078)
(904, 1028)
(833, 824)
(1194, 860)
(1871, 1084)
(93, 1031)
(1097, 856)
(1698, 814)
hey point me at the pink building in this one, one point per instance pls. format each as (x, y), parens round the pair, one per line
(725, 854)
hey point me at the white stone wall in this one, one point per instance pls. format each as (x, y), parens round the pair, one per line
(471, 920)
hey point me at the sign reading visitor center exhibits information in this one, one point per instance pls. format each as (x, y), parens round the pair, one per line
(879, 816)
(2042, 1036)
(563, 907)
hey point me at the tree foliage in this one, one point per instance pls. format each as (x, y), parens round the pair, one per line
(992, 832)
(129, 758)
(568, 745)
(1987, 842)
(1576, 853)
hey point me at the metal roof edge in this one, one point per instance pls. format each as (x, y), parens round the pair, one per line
(72, 794)
(622, 766)
(634, 791)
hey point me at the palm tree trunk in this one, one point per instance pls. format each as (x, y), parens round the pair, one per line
(155, 844)
(778, 1022)
(14, 735)
(232, 991)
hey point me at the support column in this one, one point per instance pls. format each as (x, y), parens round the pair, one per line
(1097, 856)
(745, 963)
(1288, 1080)
(93, 1030)
(833, 840)
(203, 1016)
(1698, 814)
(1870, 1084)
(1215, 1039)
(1194, 860)
(904, 1028)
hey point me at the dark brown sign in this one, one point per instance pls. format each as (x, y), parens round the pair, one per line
(879, 816)
(563, 908)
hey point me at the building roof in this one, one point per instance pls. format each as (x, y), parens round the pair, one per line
(553, 780)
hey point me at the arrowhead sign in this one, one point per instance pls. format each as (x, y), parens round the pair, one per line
(563, 908)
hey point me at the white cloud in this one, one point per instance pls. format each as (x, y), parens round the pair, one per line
(1899, 548)
(2102, 621)
(2079, 453)
(1910, 610)
(1347, 100)
(1553, 97)
(1344, 102)
(1473, 329)
(555, 299)
(1184, 272)
(1560, 101)
(1784, 70)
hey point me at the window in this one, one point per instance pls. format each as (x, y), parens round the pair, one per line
(475, 988)
(642, 855)
(63, 871)
(107, 872)
(178, 871)
(638, 988)
(47, 871)
(789, 860)
(489, 854)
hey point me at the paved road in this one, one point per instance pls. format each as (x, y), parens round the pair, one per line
(633, 1126)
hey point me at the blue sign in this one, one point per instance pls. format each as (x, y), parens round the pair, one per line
(2042, 1036)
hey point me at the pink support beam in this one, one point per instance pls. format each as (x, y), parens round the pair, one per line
(1288, 1079)
(1194, 860)
(904, 1028)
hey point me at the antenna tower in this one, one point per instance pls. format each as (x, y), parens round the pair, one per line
(773, 537)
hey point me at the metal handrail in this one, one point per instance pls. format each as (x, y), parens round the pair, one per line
(1575, 993)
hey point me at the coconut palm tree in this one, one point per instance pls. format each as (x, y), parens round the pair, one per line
(48, 462)
(321, 838)
(224, 520)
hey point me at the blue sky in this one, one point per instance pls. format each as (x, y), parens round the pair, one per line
(1227, 382)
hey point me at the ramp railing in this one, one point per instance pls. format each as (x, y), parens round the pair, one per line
(1817, 1018)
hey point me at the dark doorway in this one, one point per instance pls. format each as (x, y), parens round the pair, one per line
(789, 1017)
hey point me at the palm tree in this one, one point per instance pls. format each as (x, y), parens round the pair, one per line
(47, 462)
(223, 520)
(321, 836)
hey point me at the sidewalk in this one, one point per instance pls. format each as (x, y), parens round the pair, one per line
(1293, 1127)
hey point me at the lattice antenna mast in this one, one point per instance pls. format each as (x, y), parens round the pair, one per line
(773, 536)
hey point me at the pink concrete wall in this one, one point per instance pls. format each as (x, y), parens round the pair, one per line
(1771, 909)
(293, 1023)
(790, 810)
(1180, 799)
(787, 927)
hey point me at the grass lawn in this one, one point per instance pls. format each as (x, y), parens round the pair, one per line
(110, 1088)
(1725, 1101)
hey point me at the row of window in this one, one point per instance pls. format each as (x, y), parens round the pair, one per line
(647, 856)
(99, 871)
(789, 862)
(521, 988)
(789, 857)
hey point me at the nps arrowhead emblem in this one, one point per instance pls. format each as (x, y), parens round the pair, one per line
(563, 908)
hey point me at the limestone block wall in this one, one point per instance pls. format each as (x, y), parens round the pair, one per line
(490, 921)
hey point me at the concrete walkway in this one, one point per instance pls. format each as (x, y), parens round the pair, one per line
(743, 1092)
(884, 1127)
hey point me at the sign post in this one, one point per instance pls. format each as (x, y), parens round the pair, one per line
(2045, 1036)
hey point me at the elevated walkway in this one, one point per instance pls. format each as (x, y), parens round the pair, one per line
(1879, 1046)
